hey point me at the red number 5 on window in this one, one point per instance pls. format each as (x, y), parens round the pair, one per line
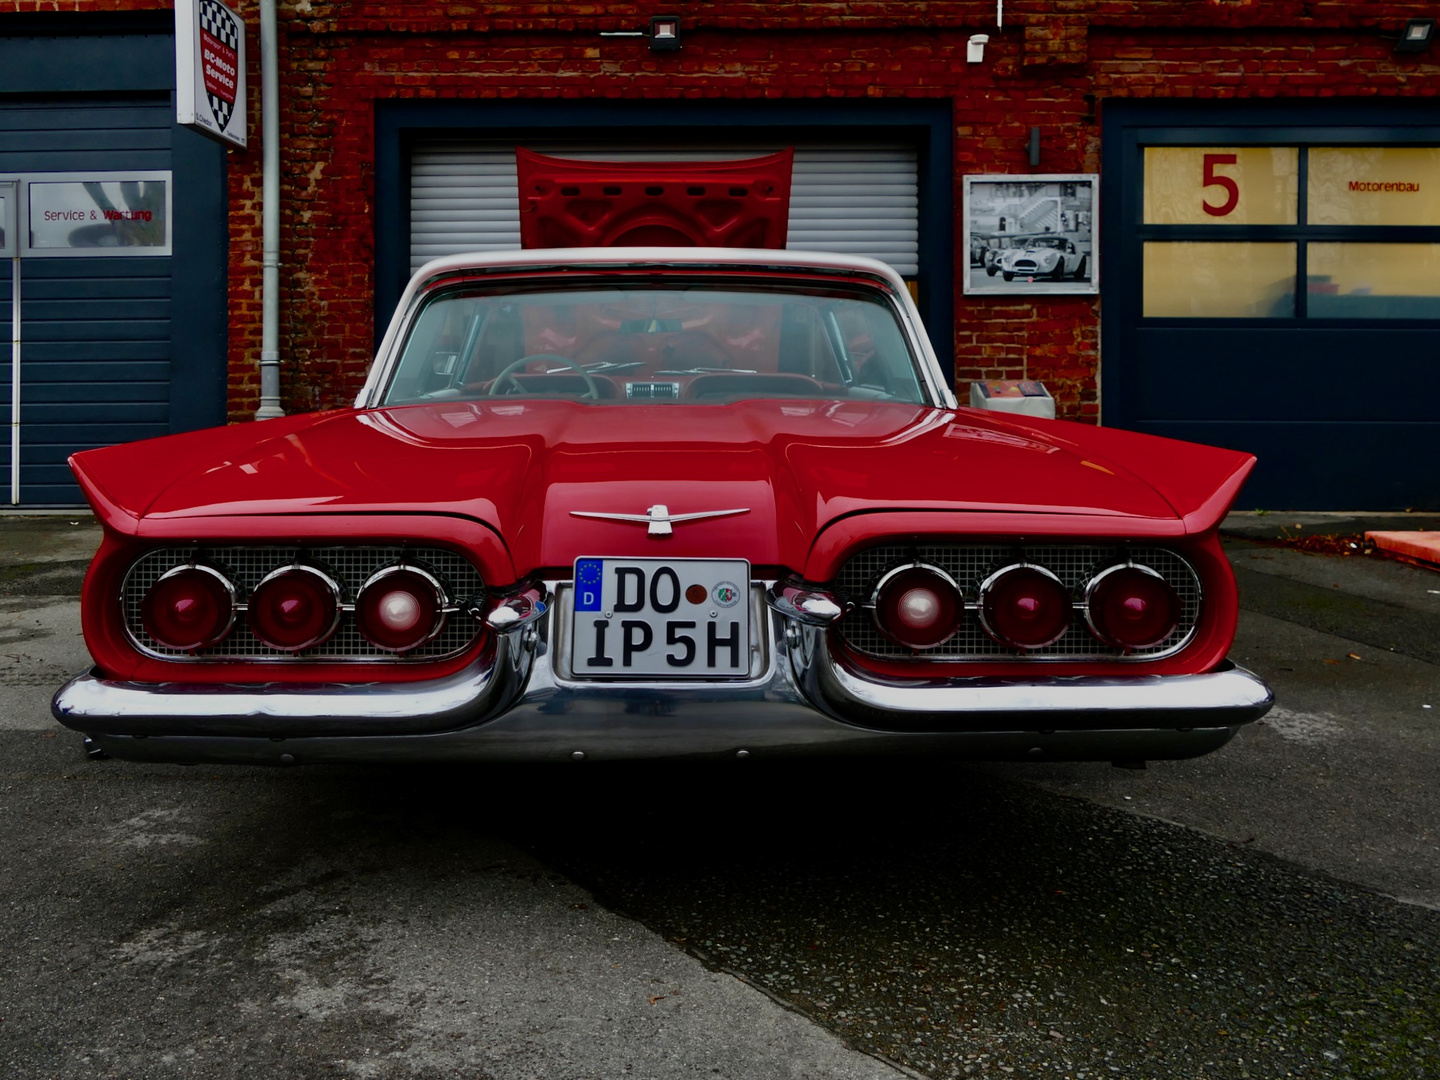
(1212, 179)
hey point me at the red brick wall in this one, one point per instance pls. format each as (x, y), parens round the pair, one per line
(1053, 65)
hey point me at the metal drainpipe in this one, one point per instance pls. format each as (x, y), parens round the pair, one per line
(270, 217)
(15, 368)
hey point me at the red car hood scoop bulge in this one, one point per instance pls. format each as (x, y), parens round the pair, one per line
(558, 479)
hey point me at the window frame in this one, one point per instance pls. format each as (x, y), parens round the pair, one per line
(869, 300)
(1301, 234)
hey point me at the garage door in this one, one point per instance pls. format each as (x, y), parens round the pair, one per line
(120, 252)
(854, 200)
(95, 329)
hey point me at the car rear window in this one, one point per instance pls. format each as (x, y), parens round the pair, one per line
(654, 342)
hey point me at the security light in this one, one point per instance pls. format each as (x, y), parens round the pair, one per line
(1415, 38)
(664, 33)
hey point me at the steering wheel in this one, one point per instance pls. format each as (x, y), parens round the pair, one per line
(592, 390)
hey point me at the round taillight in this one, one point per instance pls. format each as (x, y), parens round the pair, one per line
(918, 607)
(189, 608)
(1025, 607)
(400, 608)
(1131, 607)
(294, 608)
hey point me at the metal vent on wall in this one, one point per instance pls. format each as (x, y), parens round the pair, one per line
(845, 200)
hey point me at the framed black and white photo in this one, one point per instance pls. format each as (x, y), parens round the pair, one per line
(1031, 235)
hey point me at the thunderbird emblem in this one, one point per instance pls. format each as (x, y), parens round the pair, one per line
(658, 517)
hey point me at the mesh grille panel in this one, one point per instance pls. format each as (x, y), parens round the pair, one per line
(971, 564)
(349, 566)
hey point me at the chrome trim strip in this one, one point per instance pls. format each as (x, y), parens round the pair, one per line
(514, 705)
(658, 517)
(481, 690)
(1228, 697)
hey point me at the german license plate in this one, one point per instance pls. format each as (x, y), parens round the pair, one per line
(668, 618)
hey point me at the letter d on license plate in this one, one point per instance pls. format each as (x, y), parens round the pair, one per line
(661, 618)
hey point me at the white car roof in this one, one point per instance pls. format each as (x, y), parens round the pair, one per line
(673, 256)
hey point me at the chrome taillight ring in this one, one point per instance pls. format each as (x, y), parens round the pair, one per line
(373, 624)
(1095, 618)
(943, 622)
(1047, 631)
(323, 630)
(227, 590)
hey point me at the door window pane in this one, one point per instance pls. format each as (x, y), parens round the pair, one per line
(1221, 185)
(1360, 185)
(1373, 281)
(1203, 280)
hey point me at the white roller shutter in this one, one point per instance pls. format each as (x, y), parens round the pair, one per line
(853, 200)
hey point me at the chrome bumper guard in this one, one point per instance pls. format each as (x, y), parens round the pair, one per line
(798, 698)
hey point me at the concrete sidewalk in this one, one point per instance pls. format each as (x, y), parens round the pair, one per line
(1289, 524)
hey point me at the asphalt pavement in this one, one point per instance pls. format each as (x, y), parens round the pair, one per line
(1269, 910)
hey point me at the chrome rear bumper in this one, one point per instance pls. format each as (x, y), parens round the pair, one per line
(799, 699)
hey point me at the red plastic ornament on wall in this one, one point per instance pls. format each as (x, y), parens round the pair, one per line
(566, 202)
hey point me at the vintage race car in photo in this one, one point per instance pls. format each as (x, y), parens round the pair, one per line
(650, 502)
(1049, 256)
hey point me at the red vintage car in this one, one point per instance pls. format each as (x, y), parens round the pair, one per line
(630, 503)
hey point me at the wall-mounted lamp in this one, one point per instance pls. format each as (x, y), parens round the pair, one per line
(975, 48)
(1416, 36)
(664, 33)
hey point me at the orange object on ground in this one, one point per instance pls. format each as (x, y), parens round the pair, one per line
(1424, 546)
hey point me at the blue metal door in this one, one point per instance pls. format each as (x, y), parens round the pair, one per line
(95, 358)
(1308, 337)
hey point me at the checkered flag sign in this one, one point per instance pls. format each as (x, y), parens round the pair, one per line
(219, 58)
